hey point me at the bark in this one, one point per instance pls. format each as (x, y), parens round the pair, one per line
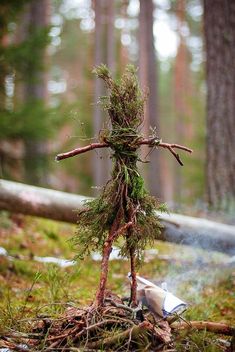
(98, 166)
(133, 298)
(36, 18)
(219, 27)
(104, 273)
(107, 249)
(34, 88)
(61, 206)
(182, 92)
(148, 79)
(218, 328)
(3, 67)
(104, 53)
(151, 142)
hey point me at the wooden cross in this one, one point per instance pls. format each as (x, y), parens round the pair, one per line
(151, 142)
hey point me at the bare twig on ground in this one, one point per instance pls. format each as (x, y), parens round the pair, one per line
(94, 329)
(118, 338)
(218, 328)
(121, 306)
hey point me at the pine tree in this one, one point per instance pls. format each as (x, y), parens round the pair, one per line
(220, 48)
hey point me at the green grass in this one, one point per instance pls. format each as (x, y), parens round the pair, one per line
(28, 288)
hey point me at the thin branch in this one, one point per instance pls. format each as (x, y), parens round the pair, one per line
(120, 337)
(123, 228)
(153, 142)
(122, 306)
(81, 150)
(219, 328)
(97, 325)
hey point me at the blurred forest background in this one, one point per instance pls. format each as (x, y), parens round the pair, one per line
(48, 94)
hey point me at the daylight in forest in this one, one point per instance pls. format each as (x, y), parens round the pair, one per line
(117, 175)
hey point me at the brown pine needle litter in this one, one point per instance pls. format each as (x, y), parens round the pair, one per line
(113, 327)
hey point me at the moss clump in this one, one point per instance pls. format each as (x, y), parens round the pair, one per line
(124, 198)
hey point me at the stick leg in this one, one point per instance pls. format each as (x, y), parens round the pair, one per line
(104, 274)
(133, 276)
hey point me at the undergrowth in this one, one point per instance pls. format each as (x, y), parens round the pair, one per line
(54, 289)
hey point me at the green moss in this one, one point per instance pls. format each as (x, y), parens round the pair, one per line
(58, 287)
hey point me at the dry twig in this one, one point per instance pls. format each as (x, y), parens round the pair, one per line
(218, 328)
(152, 142)
(80, 150)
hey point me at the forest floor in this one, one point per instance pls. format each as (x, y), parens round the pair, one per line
(30, 288)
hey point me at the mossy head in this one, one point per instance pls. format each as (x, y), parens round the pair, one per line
(125, 103)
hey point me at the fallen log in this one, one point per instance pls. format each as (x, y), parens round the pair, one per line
(61, 206)
(217, 328)
(37, 201)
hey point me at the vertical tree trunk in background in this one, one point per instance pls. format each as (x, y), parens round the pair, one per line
(35, 89)
(122, 50)
(110, 18)
(148, 78)
(110, 34)
(104, 53)
(38, 18)
(3, 43)
(182, 92)
(3, 72)
(219, 17)
(97, 117)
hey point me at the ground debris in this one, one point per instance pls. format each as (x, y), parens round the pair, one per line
(113, 327)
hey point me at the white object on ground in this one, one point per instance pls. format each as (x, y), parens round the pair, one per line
(63, 263)
(3, 252)
(157, 299)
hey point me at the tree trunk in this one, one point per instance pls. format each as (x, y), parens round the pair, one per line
(148, 79)
(51, 204)
(104, 53)
(219, 24)
(36, 17)
(182, 93)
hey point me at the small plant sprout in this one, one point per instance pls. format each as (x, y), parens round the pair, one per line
(124, 207)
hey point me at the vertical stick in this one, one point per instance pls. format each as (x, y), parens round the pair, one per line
(107, 249)
(133, 276)
(104, 273)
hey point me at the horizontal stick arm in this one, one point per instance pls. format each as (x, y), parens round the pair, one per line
(81, 150)
(153, 142)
